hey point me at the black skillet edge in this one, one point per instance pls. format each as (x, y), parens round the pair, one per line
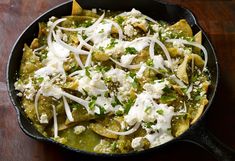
(24, 122)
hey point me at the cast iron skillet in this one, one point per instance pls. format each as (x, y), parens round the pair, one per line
(197, 133)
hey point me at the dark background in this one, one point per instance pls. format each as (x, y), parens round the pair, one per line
(217, 18)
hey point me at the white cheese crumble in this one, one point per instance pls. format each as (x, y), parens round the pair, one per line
(54, 61)
(158, 62)
(140, 73)
(137, 144)
(94, 10)
(93, 86)
(116, 50)
(129, 30)
(44, 118)
(118, 75)
(79, 129)
(134, 12)
(101, 32)
(146, 109)
(139, 45)
(158, 139)
(156, 88)
(28, 89)
(156, 28)
(105, 103)
(137, 112)
(127, 59)
(48, 89)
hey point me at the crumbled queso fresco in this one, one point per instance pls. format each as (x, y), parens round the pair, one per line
(122, 81)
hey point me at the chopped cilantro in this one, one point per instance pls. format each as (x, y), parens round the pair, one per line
(43, 56)
(167, 89)
(162, 23)
(168, 98)
(107, 80)
(87, 23)
(197, 98)
(132, 74)
(92, 103)
(161, 38)
(160, 112)
(75, 105)
(84, 36)
(151, 29)
(149, 62)
(131, 50)
(119, 20)
(149, 124)
(112, 44)
(116, 102)
(147, 109)
(162, 71)
(102, 110)
(114, 145)
(101, 48)
(194, 77)
(128, 105)
(86, 93)
(135, 84)
(119, 113)
(106, 94)
(40, 79)
(102, 69)
(101, 31)
(88, 74)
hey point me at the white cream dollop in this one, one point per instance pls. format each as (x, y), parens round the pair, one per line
(156, 89)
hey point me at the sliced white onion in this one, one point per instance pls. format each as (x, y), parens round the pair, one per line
(152, 47)
(97, 22)
(188, 92)
(77, 58)
(88, 60)
(36, 104)
(74, 73)
(132, 130)
(83, 28)
(179, 82)
(67, 110)
(123, 14)
(138, 39)
(76, 99)
(49, 37)
(151, 50)
(82, 42)
(40, 48)
(164, 50)
(137, 66)
(193, 44)
(69, 47)
(150, 19)
(55, 122)
(72, 29)
(116, 25)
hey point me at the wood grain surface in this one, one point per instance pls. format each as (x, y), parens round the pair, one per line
(217, 18)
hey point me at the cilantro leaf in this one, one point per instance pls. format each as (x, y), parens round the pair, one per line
(160, 112)
(88, 74)
(131, 50)
(112, 44)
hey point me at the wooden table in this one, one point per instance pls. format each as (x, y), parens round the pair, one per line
(217, 18)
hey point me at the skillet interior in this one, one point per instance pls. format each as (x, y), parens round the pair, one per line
(152, 8)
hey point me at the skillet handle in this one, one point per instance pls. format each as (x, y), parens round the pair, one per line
(201, 136)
